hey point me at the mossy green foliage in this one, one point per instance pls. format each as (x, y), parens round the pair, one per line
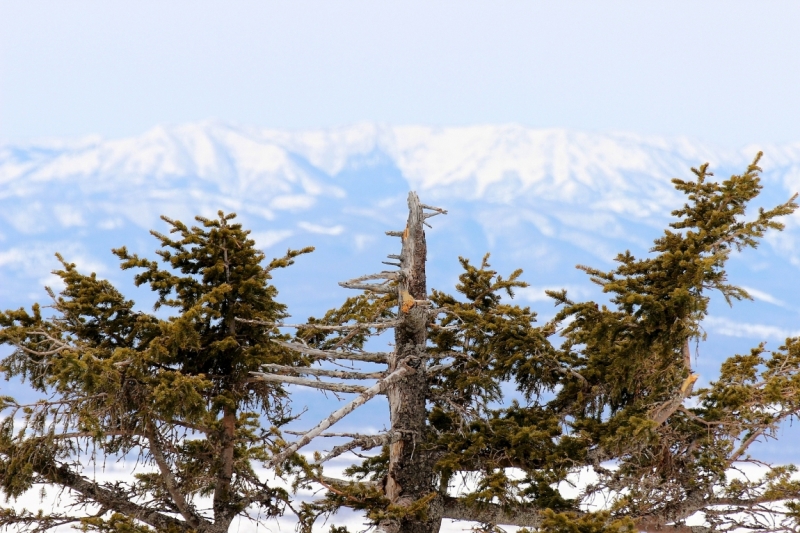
(593, 376)
(116, 379)
(591, 385)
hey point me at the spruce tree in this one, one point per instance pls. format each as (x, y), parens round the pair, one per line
(603, 387)
(606, 388)
(175, 395)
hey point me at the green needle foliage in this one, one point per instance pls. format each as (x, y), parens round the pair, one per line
(604, 390)
(173, 396)
(607, 391)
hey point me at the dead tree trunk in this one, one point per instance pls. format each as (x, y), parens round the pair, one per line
(410, 485)
(411, 477)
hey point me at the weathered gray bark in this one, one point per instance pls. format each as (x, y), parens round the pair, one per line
(411, 477)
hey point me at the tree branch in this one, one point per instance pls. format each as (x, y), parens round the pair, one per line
(92, 435)
(322, 385)
(366, 442)
(169, 480)
(367, 357)
(661, 413)
(384, 288)
(745, 444)
(323, 327)
(367, 395)
(490, 513)
(341, 374)
(111, 499)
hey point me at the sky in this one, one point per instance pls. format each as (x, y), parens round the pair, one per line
(725, 72)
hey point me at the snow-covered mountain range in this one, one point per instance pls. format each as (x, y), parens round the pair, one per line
(542, 200)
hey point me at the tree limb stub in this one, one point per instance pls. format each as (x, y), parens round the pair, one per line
(439, 210)
(387, 275)
(661, 413)
(379, 288)
(337, 415)
(384, 288)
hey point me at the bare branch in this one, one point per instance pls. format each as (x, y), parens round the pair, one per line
(390, 276)
(322, 385)
(439, 368)
(368, 357)
(170, 483)
(385, 287)
(326, 373)
(439, 210)
(323, 327)
(662, 412)
(364, 442)
(40, 354)
(367, 395)
(491, 513)
(653, 526)
(348, 435)
(108, 498)
(92, 435)
(333, 481)
(379, 288)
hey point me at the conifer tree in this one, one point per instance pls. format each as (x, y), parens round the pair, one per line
(173, 395)
(606, 388)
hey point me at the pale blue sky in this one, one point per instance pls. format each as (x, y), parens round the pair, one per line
(721, 71)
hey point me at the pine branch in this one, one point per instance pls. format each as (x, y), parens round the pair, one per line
(491, 513)
(109, 499)
(334, 417)
(340, 374)
(364, 442)
(661, 413)
(186, 510)
(383, 288)
(321, 385)
(367, 357)
(93, 435)
(35, 522)
(332, 435)
(322, 327)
